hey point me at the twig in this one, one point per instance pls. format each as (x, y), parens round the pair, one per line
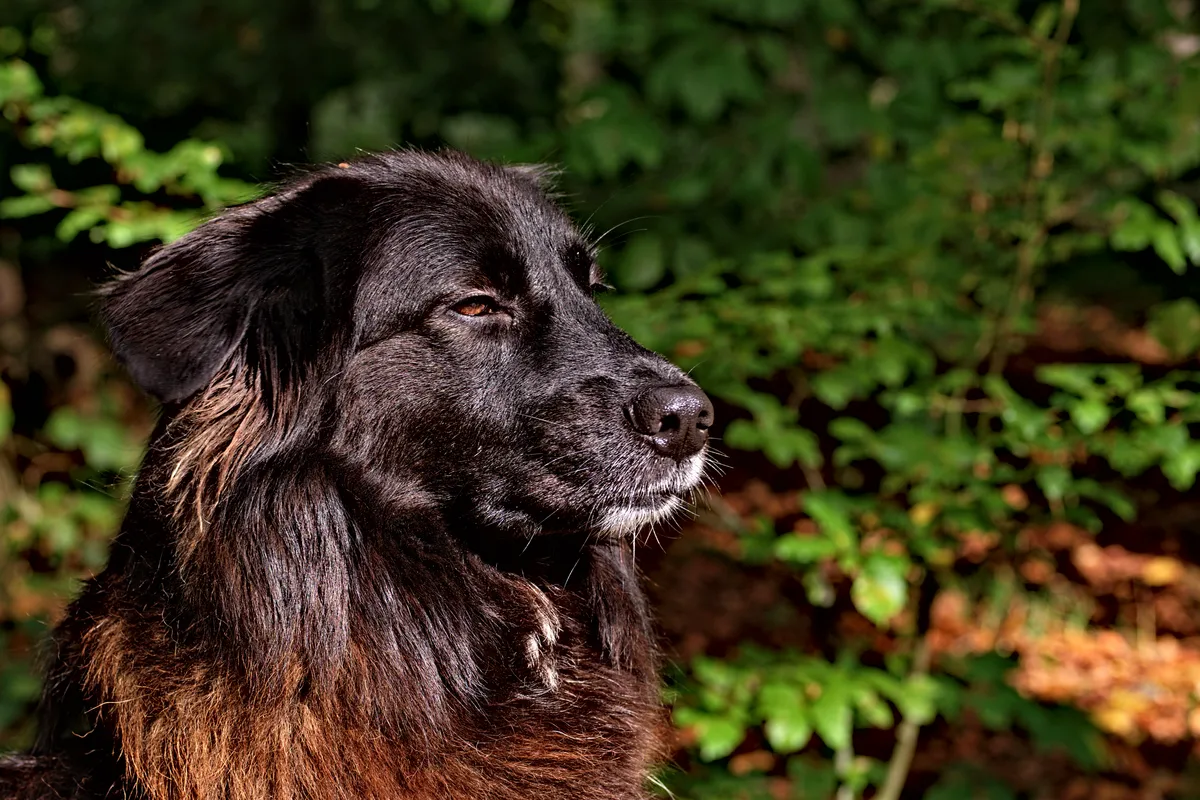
(1040, 164)
(843, 760)
(906, 734)
(812, 476)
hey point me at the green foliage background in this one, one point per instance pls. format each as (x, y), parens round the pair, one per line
(847, 218)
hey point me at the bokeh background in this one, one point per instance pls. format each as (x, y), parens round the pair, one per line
(935, 259)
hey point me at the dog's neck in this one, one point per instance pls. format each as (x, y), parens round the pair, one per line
(344, 637)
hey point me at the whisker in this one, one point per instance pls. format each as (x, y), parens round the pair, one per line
(601, 237)
(576, 564)
(546, 421)
(657, 781)
(586, 228)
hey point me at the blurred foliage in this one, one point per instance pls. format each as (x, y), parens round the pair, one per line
(935, 258)
(76, 131)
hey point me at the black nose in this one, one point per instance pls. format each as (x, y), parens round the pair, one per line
(676, 418)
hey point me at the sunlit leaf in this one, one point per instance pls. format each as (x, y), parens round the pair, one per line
(880, 590)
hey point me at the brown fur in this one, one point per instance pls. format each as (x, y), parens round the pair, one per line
(379, 547)
(215, 433)
(189, 732)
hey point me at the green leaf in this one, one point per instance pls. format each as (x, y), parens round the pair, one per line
(832, 714)
(788, 445)
(787, 726)
(788, 732)
(918, 699)
(1120, 505)
(1181, 467)
(880, 590)
(77, 221)
(838, 386)
(1054, 481)
(1078, 379)
(64, 428)
(25, 206)
(830, 510)
(1167, 245)
(718, 735)
(849, 429)
(1090, 415)
(1176, 325)
(1185, 214)
(1148, 406)
(703, 74)
(796, 549)
(107, 445)
(873, 711)
(1137, 229)
(32, 178)
(717, 673)
(743, 434)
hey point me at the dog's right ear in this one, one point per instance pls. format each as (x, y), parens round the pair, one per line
(175, 321)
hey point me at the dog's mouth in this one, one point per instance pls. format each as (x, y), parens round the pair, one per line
(656, 503)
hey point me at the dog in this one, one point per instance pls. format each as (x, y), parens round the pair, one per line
(381, 542)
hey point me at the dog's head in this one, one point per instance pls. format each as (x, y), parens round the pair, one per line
(426, 325)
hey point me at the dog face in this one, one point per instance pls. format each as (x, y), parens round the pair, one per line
(426, 324)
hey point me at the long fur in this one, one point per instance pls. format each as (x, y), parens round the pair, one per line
(365, 555)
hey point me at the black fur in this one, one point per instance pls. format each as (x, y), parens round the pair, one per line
(379, 547)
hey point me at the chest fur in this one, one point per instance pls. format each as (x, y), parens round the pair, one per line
(551, 716)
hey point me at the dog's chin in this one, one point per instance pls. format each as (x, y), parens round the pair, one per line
(614, 511)
(656, 503)
(628, 520)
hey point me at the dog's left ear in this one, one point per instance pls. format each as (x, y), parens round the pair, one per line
(178, 319)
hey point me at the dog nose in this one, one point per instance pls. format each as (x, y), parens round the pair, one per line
(676, 418)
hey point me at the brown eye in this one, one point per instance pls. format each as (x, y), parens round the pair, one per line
(476, 307)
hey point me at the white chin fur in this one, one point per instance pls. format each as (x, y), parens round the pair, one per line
(690, 475)
(628, 521)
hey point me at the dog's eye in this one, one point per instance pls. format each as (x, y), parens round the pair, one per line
(478, 306)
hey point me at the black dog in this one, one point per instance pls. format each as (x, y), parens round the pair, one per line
(380, 546)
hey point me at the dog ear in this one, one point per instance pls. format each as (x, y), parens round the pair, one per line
(544, 176)
(174, 322)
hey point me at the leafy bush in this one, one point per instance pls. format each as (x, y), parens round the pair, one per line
(934, 258)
